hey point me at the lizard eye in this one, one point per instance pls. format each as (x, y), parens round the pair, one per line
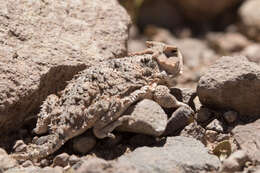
(171, 52)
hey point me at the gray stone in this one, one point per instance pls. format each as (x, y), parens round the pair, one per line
(83, 144)
(27, 163)
(230, 116)
(61, 160)
(149, 118)
(215, 125)
(179, 154)
(179, 119)
(142, 140)
(195, 131)
(232, 83)
(235, 162)
(45, 45)
(19, 146)
(248, 139)
(73, 160)
(250, 18)
(6, 162)
(204, 115)
(97, 165)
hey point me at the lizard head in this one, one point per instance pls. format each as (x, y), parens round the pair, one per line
(168, 57)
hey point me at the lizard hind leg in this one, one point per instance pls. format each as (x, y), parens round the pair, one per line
(41, 148)
(114, 118)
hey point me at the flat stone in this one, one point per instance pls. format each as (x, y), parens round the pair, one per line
(45, 45)
(232, 83)
(248, 139)
(149, 118)
(178, 154)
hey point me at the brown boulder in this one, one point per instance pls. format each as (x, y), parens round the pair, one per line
(45, 45)
(232, 83)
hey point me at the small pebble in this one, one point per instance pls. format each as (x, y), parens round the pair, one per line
(19, 146)
(83, 144)
(230, 116)
(215, 125)
(61, 160)
(73, 160)
(27, 163)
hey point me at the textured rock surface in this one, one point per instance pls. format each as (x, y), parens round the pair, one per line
(232, 83)
(101, 166)
(179, 154)
(149, 118)
(235, 162)
(6, 162)
(248, 139)
(195, 131)
(36, 169)
(46, 44)
(250, 16)
(61, 160)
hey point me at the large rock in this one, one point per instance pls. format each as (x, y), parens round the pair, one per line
(250, 17)
(45, 45)
(179, 154)
(248, 139)
(232, 83)
(148, 118)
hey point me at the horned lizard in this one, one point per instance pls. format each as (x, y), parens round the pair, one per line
(98, 96)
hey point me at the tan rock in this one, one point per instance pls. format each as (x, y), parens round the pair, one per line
(45, 45)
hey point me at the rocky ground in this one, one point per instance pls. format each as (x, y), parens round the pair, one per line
(49, 47)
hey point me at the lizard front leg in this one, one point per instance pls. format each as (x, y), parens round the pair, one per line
(164, 98)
